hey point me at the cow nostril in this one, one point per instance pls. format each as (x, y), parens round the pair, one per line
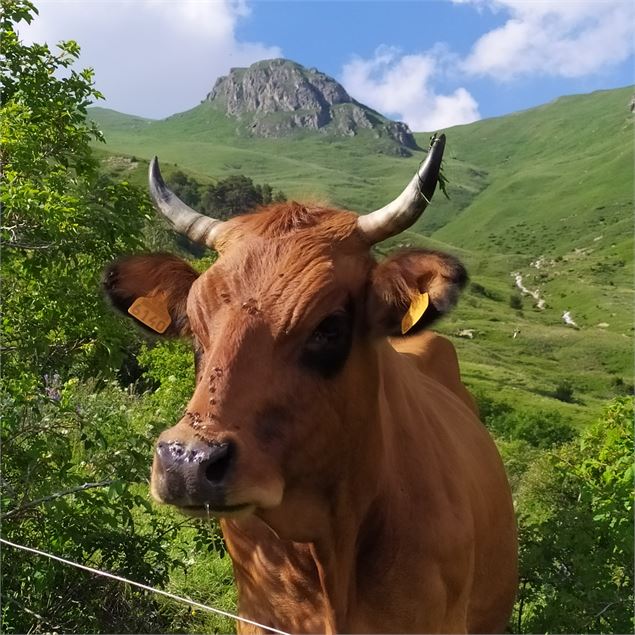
(219, 460)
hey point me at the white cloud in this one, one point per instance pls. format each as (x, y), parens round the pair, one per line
(553, 38)
(151, 57)
(401, 85)
(559, 38)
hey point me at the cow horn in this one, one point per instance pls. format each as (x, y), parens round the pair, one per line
(197, 227)
(397, 216)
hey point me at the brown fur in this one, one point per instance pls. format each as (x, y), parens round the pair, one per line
(377, 501)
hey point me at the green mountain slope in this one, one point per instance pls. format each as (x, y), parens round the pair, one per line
(349, 172)
(558, 174)
(546, 193)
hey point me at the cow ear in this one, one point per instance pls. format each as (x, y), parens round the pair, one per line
(154, 288)
(399, 284)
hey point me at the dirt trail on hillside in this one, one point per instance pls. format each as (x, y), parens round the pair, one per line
(518, 280)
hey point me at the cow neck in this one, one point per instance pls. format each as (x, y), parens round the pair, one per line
(358, 521)
(320, 574)
(321, 568)
(339, 553)
(354, 555)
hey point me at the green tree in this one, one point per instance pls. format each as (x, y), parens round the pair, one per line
(62, 221)
(227, 198)
(576, 532)
(186, 188)
(236, 195)
(564, 391)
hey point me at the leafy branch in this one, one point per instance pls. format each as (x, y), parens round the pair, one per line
(45, 499)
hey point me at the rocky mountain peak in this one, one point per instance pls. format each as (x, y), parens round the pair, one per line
(279, 97)
(277, 86)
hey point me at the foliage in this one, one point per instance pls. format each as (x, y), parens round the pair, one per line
(484, 292)
(70, 435)
(537, 428)
(576, 520)
(564, 391)
(206, 575)
(227, 198)
(62, 221)
(169, 365)
(622, 387)
(186, 188)
(518, 456)
(76, 450)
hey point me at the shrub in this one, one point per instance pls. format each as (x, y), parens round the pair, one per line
(576, 532)
(538, 428)
(622, 387)
(62, 437)
(564, 391)
(479, 289)
(170, 365)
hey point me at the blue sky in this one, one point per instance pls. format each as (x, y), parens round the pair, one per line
(430, 63)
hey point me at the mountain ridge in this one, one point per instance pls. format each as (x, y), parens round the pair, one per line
(278, 97)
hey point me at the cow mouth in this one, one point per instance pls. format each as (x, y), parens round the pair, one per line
(208, 510)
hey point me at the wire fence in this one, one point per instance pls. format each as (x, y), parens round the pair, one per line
(145, 587)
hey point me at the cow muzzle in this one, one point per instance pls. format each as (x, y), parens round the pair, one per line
(193, 476)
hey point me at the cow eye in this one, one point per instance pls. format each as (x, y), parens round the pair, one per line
(328, 346)
(328, 332)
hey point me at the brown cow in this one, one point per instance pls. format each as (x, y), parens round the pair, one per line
(358, 490)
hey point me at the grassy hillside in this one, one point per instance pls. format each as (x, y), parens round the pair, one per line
(348, 172)
(560, 176)
(560, 192)
(546, 193)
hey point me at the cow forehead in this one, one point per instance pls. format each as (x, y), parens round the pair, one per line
(288, 282)
(290, 219)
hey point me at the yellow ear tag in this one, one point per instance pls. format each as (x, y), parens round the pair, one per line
(152, 311)
(417, 308)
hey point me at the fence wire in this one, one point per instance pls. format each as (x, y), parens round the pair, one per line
(145, 587)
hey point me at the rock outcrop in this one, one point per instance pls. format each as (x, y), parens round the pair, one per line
(275, 98)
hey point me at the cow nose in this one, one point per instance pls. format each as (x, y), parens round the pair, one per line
(194, 470)
(209, 460)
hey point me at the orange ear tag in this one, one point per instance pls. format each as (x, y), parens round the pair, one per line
(417, 308)
(152, 311)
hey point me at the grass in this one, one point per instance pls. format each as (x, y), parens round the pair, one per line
(554, 182)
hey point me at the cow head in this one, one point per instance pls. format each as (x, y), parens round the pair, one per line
(284, 327)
